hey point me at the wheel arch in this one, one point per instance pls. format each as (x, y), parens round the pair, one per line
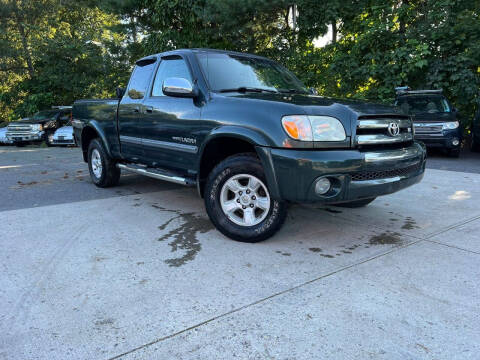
(90, 132)
(231, 140)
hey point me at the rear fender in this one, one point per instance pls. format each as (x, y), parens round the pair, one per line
(91, 131)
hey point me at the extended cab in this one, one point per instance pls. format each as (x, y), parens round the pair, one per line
(249, 135)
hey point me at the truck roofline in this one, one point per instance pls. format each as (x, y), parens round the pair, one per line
(201, 50)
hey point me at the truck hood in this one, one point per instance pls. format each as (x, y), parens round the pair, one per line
(434, 117)
(311, 104)
(32, 121)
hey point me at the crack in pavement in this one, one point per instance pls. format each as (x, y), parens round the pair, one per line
(259, 301)
(453, 246)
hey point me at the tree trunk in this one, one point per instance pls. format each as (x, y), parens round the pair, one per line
(334, 32)
(26, 50)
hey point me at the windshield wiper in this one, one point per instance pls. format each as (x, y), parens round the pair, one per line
(247, 89)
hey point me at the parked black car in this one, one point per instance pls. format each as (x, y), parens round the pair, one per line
(437, 122)
(40, 127)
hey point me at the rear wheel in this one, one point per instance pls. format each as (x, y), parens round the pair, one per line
(102, 168)
(238, 201)
(357, 203)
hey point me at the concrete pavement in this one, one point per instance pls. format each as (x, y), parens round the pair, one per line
(138, 272)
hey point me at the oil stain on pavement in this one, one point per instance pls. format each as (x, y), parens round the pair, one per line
(184, 236)
(386, 238)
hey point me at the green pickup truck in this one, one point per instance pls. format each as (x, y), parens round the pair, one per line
(249, 135)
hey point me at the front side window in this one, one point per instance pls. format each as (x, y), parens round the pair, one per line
(229, 71)
(168, 68)
(140, 80)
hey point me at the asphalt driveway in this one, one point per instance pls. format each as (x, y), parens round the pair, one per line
(138, 271)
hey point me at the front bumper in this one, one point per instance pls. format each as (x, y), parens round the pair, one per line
(63, 140)
(25, 136)
(444, 140)
(292, 174)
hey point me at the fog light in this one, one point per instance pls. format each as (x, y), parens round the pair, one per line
(322, 186)
(455, 142)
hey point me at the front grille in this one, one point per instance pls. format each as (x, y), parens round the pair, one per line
(63, 141)
(385, 174)
(429, 129)
(373, 130)
(19, 128)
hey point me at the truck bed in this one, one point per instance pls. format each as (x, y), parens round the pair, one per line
(101, 113)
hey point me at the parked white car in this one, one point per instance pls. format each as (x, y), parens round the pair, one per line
(64, 136)
(3, 137)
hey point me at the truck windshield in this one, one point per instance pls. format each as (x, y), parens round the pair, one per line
(42, 115)
(229, 72)
(423, 104)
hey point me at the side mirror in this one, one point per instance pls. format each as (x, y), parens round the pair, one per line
(313, 91)
(120, 92)
(178, 87)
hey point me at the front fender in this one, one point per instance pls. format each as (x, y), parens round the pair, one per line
(255, 137)
(259, 140)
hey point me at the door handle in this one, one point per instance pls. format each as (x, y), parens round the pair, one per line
(136, 110)
(149, 109)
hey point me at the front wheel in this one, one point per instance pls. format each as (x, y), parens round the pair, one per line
(475, 145)
(356, 204)
(102, 168)
(49, 139)
(238, 201)
(455, 153)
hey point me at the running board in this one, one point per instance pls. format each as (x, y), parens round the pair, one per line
(157, 174)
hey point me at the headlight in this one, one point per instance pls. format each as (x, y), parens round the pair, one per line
(313, 128)
(37, 127)
(450, 125)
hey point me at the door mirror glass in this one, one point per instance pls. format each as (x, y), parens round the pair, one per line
(178, 87)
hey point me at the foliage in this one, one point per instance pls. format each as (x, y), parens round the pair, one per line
(56, 51)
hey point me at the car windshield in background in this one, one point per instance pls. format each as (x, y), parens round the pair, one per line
(228, 72)
(42, 115)
(423, 104)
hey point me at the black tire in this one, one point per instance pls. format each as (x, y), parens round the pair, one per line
(356, 204)
(48, 142)
(249, 164)
(110, 174)
(454, 153)
(474, 146)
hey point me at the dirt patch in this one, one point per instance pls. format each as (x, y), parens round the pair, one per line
(410, 224)
(315, 250)
(386, 238)
(283, 253)
(108, 321)
(184, 236)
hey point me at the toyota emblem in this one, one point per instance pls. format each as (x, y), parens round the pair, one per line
(393, 129)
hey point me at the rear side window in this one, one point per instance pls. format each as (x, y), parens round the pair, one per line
(140, 80)
(168, 68)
